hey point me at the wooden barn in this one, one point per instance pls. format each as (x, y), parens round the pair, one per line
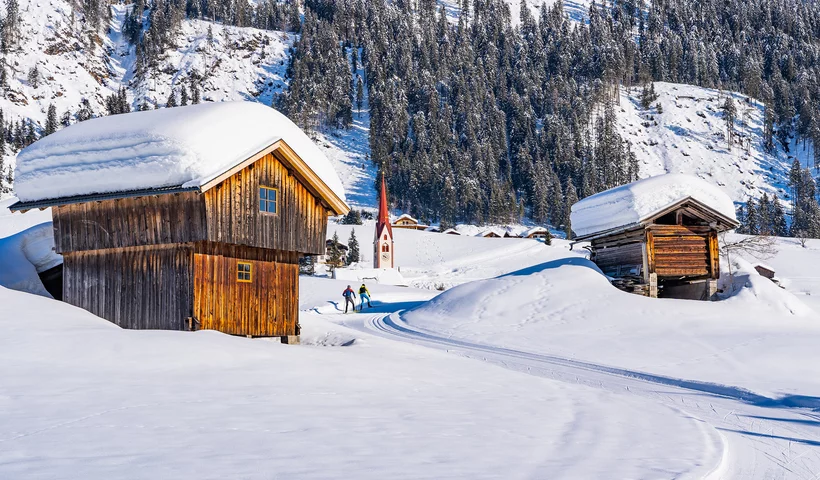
(186, 218)
(659, 236)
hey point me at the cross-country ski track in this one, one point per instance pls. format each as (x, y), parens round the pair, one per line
(738, 425)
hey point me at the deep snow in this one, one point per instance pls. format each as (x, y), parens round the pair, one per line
(533, 366)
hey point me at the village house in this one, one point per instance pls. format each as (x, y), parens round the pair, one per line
(491, 233)
(340, 247)
(657, 236)
(408, 222)
(185, 218)
(536, 232)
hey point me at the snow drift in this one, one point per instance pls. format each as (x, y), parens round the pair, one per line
(26, 254)
(631, 203)
(183, 146)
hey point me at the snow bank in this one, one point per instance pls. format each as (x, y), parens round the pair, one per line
(26, 254)
(384, 276)
(631, 203)
(183, 146)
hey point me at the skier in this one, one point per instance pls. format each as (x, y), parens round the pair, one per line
(364, 294)
(350, 298)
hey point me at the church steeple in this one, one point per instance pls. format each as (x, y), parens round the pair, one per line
(384, 212)
(383, 240)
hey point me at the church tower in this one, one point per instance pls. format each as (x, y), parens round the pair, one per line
(383, 241)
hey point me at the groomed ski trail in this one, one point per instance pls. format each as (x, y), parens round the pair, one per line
(753, 436)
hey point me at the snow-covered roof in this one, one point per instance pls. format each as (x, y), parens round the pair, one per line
(534, 230)
(638, 201)
(173, 147)
(452, 231)
(497, 231)
(406, 216)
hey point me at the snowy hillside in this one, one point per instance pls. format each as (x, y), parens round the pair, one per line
(684, 132)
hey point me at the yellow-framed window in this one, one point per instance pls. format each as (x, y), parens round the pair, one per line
(244, 271)
(268, 199)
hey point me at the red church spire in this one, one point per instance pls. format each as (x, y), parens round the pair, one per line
(384, 214)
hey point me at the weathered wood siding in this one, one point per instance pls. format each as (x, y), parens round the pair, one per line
(227, 213)
(129, 222)
(620, 255)
(233, 216)
(268, 305)
(137, 288)
(681, 251)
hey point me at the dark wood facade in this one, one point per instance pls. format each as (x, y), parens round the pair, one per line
(169, 260)
(672, 254)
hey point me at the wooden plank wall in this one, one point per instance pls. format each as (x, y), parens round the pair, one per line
(679, 251)
(266, 306)
(227, 213)
(233, 215)
(129, 222)
(137, 288)
(620, 255)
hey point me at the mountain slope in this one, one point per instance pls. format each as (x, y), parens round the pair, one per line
(687, 134)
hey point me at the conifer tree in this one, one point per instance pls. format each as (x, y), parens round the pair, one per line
(172, 100)
(359, 94)
(33, 76)
(353, 248)
(194, 93)
(570, 199)
(729, 114)
(768, 129)
(752, 218)
(51, 120)
(183, 96)
(778, 218)
(334, 253)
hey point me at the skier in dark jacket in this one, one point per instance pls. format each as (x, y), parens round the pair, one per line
(350, 298)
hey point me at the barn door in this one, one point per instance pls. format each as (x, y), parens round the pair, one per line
(681, 255)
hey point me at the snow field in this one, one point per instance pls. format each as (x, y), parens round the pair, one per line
(84, 396)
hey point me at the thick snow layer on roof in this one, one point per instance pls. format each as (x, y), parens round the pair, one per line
(534, 230)
(25, 254)
(631, 203)
(183, 146)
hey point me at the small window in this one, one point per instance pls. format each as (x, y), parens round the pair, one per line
(243, 272)
(385, 248)
(385, 236)
(268, 199)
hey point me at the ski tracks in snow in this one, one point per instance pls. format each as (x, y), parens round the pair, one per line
(744, 434)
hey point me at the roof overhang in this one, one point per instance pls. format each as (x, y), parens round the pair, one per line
(284, 153)
(720, 221)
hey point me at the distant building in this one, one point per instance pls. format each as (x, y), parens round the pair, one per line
(658, 236)
(451, 231)
(340, 247)
(536, 232)
(383, 239)
(406, 221)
